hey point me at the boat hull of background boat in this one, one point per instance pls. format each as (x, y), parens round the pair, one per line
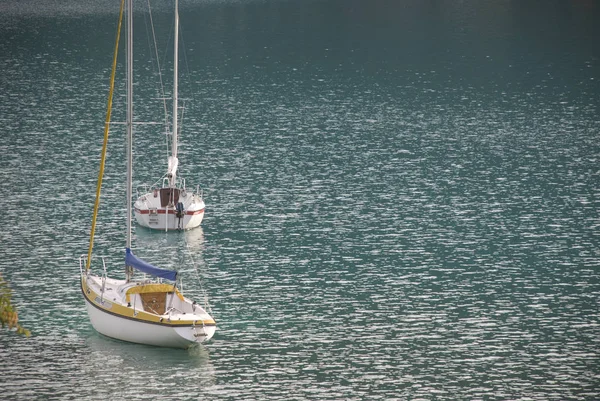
(115, 317)
(152, 211)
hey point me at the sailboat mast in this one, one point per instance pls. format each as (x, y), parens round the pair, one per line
(129, 123)
(175, 88)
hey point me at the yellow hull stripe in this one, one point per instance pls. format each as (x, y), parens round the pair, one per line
(119, 310)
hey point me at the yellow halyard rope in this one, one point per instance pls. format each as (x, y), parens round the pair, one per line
(105, 144)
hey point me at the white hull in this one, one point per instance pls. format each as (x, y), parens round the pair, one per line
(151, 210)
(113, 315)
(142, 333)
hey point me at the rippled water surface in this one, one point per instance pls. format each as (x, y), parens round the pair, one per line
(402, 199)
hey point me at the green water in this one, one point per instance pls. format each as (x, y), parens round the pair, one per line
(402, 199)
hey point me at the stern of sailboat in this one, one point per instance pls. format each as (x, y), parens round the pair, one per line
(169, 209)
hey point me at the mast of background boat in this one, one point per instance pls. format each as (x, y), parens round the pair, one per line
(128, 269)
(174, 161)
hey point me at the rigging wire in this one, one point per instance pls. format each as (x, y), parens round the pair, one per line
(162, 87)
(207, 306)
(158, 66)
(187, 74)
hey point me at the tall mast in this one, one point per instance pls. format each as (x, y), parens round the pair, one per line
(175, 90)
(129, 123)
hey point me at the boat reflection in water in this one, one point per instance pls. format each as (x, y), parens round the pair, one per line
(144, 364)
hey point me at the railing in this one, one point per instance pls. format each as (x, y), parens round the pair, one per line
(163, 182)
(82, 262)
(103, 281)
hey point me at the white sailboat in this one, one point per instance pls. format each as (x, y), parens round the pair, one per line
(168, 204)
(150, 311)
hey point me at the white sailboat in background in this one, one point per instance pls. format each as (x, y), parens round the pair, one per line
(168, 204)
(150, 311)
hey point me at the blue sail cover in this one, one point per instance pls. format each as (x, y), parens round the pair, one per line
(145, 267)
